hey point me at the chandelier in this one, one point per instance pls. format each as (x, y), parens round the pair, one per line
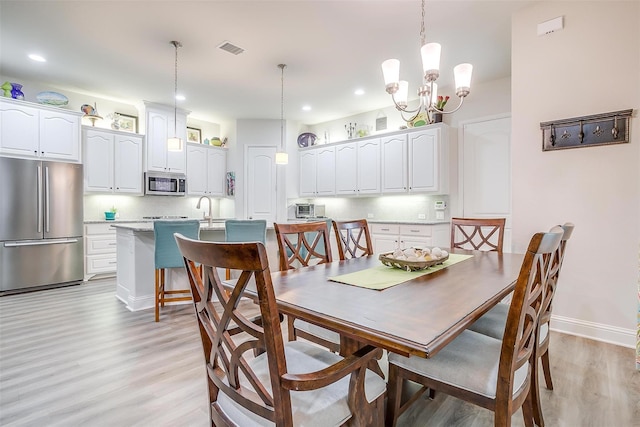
(428, 91)
(282, 158)
(175, 143)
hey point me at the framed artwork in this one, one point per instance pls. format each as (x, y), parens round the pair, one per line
(193, 135)
(128, 123)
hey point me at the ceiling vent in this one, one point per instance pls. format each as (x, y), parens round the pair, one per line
(230, 47)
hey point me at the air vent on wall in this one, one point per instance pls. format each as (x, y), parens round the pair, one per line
(230, 47)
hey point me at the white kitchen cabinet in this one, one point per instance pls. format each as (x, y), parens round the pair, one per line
(394, 163)
(159, 127)
(387, 237)
(206, 172)
(429, 160)
(318, 172)
(100, 250)
(369, 166)
(112, 161)
(346, 169)
(35, 131)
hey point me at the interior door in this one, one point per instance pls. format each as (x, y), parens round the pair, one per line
(486, 171)
(261, 183)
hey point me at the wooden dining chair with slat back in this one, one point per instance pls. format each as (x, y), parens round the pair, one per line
(166, 255)
(302, 245)
(353, 238)
(491, 373)
(480, 234)
(493, 322)
(286, 384)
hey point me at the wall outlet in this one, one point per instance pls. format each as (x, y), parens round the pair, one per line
(439, 215)
(422, 216)
(369, 215)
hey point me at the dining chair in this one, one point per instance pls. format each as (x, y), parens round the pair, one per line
(286, 384)
(245, 230)
(491, 373)
(353, 237)
(493, 322)
(302, 245)
(480, 234)
(167, 255)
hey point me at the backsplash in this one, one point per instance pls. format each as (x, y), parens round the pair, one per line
(135, 207)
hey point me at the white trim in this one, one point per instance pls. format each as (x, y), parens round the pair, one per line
(595, 331)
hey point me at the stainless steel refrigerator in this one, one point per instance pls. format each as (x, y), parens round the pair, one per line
(41, 225)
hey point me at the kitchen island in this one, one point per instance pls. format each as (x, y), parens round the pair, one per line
(135, 278)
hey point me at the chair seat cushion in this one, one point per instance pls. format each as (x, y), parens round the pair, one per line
(317, 331)
(493, 322)
(469, 362)
(326, 406)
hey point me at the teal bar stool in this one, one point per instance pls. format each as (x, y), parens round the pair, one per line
(167, 255)
(245, 230)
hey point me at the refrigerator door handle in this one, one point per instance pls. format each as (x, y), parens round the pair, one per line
(46, 195)
(39, 195)
(39, 243)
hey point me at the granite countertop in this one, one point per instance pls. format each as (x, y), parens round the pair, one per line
(148, 225)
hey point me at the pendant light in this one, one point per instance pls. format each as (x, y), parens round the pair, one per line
(282, 158)
(175, 143)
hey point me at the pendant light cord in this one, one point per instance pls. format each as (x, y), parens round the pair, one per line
(282, 67)
(176, 44)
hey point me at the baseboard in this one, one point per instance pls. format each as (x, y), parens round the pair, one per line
(595, 331)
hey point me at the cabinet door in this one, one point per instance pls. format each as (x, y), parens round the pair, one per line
(424, 161)
(415, 242)
(176, 160)
(98, 161)
(346, 169)
(216, 171)
(308, 173)
(19, 130)
(394, 164)
(369, 167)
(157, 126)
(59, 136)
(384, 243)
(325, 171)
(128, 164)
(197, 171)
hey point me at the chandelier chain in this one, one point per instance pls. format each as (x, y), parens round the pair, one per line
(422, 31)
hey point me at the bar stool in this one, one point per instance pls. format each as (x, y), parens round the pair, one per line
(167, 255)
(245, 230)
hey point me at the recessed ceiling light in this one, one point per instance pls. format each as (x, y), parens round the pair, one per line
(306, 108)
(37, 58)
(180, 97)
(359, 92)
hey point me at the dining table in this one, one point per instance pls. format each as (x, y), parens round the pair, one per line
(419, 316)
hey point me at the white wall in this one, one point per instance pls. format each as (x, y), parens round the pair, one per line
(592, 66)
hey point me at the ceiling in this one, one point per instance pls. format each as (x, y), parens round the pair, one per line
(120, 50)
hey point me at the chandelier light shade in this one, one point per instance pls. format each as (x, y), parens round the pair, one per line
(174, 143)
(282, 157)
(428, 91)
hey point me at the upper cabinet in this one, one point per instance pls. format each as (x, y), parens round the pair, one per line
(394, 163)
(318, 172)
(159, 127)
(35, 131)
(429, 160)
(113, 161)
(358, 167)
(207, 170)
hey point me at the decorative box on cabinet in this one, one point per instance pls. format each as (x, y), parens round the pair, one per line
(318, 172)
(159, 127)
(113, 161)
(100, 250)
(206, 171)
(31, 130)
(387, 237)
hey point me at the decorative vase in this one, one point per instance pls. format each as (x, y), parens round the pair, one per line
(110, 216)
(16, 91)
(437, 118)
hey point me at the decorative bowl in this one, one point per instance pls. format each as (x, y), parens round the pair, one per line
(52, 98)
(389, 261)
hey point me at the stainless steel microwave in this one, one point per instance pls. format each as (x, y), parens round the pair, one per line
(165, 184)
(305, 210)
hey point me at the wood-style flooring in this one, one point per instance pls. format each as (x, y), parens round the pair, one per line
(76, 356)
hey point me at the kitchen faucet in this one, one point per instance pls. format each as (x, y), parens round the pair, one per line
(198, 207)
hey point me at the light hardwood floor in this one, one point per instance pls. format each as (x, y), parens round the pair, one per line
(76, 356)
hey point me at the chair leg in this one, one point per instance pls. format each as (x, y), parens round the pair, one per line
(546, 369)
(162, 277)
(394, 394)
(290, 329)
(534, 394)
(157, 295)
(527, 409)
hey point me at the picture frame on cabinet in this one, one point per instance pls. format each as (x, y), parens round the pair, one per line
(193, 135)
(128, 123)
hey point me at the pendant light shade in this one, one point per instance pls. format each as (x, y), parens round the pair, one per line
(174, 143)
(282, 157)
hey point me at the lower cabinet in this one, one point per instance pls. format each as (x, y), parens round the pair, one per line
(387, 237)
(100, 250)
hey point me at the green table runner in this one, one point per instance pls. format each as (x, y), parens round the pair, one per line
(383, 277)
